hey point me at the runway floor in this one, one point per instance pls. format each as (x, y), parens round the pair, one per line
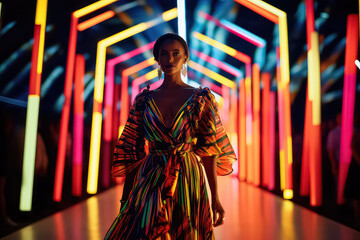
(251, 213)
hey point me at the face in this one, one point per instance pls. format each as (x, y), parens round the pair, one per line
(172, 57)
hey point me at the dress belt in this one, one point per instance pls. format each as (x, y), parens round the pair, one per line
(159, 148)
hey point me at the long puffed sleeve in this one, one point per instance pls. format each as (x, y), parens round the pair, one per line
(129, 150)
(211, 136)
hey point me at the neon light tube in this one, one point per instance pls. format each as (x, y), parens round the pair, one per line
(95, 20)
(242, 130)
(315, 140)
(265, 79)
(181, 18)
(217, 77)
(256, 123)
(65, 114)
(78, 126)
(231, 51)
(92, 7)
(271, 185)
(348, 104)
(240, 32)
(222, 65)
(32, 114)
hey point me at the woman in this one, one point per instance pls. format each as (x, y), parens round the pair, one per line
(165, 195)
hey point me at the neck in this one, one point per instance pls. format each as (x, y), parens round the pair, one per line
(172, 81)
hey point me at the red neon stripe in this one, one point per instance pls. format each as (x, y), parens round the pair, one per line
(272, 141)
(272, 17)
(315, 166)
(305, 162)
(287, 135)
(310, 22)
(64, 124)
(34, 78)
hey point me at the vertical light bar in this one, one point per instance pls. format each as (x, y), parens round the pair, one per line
(181, 18)
(265, 150)
(242, 131)
(305, 163)
(182, 26)
(78, 129)
(272, 140)
(65, 113)
(281, 123)
(315, 140)
(32, 114)
(249, 138)
(256, 122)
(349, 90)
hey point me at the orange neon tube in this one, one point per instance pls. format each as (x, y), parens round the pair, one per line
(256, 122)
(242, 131)
(258, 9)
(95, 20)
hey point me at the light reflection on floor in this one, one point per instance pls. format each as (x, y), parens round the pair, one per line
(251, 213)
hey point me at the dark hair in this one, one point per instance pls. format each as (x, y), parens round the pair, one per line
(166, 37)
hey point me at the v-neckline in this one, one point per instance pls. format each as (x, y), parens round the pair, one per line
(160, 115)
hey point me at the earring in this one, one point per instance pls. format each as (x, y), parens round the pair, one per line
(184, 70)
(159, 72)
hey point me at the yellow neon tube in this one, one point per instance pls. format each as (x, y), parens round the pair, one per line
(27, 182)
(284, 49)
(223, 80)
(93, 159)
(151, 75)
(97, 5)
(40, 19)
(214, 43)
(316, 79)
(169, 15)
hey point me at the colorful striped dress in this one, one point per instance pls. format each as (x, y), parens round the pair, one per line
(169, 199)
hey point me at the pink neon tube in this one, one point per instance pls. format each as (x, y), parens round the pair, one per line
(349, 90)
(265, 150)
(78, 131)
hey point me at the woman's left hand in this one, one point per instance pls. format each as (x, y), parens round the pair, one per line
(218, 212)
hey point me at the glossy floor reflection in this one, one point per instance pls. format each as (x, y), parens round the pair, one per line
(251, 213)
